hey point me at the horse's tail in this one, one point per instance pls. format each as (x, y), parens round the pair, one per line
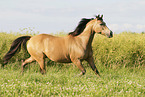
(15, 47)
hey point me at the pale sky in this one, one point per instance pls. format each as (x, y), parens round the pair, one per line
(52, 16)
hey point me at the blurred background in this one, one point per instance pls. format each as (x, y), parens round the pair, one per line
(53, 16)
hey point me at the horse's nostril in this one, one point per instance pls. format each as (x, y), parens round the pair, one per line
(111, 34)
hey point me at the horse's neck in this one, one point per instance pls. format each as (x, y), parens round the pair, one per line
(87, 36)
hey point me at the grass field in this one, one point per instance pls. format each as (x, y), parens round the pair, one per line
(120, 60)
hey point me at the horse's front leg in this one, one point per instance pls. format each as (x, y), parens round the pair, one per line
(78, 63)
(90, 60)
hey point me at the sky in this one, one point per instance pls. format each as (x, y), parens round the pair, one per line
(53, 16)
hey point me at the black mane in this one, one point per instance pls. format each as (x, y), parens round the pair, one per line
(81, 26)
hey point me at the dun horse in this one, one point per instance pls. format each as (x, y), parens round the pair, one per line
(75, 47)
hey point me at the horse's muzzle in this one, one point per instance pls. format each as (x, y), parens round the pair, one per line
(111, 34)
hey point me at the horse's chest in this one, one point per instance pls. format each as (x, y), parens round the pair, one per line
(80, 54)
(85, 54)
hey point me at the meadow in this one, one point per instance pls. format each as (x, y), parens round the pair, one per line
(120, 61)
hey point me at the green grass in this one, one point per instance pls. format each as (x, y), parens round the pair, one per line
(63, 81)
(120, 61)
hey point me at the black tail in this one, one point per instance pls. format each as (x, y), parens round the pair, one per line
(15, 47)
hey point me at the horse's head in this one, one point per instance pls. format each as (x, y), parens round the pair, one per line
(101, 28)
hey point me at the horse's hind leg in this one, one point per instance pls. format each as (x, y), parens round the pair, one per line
(42, 66)
(29, 60)
(40, 60)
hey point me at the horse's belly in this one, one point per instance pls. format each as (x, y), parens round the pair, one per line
(60, 59)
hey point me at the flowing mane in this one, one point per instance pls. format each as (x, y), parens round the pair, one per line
(81, 26)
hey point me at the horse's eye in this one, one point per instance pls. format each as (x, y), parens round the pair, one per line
(101, 24)
(100, 33)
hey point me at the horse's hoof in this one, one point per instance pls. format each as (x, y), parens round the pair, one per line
(98, 75)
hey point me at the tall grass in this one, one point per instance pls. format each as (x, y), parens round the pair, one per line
(125, 49)
(120, 60)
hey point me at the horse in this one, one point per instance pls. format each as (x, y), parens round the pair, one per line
(73, 48)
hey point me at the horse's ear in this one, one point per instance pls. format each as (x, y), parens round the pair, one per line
(97, 16)
(102, 16)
